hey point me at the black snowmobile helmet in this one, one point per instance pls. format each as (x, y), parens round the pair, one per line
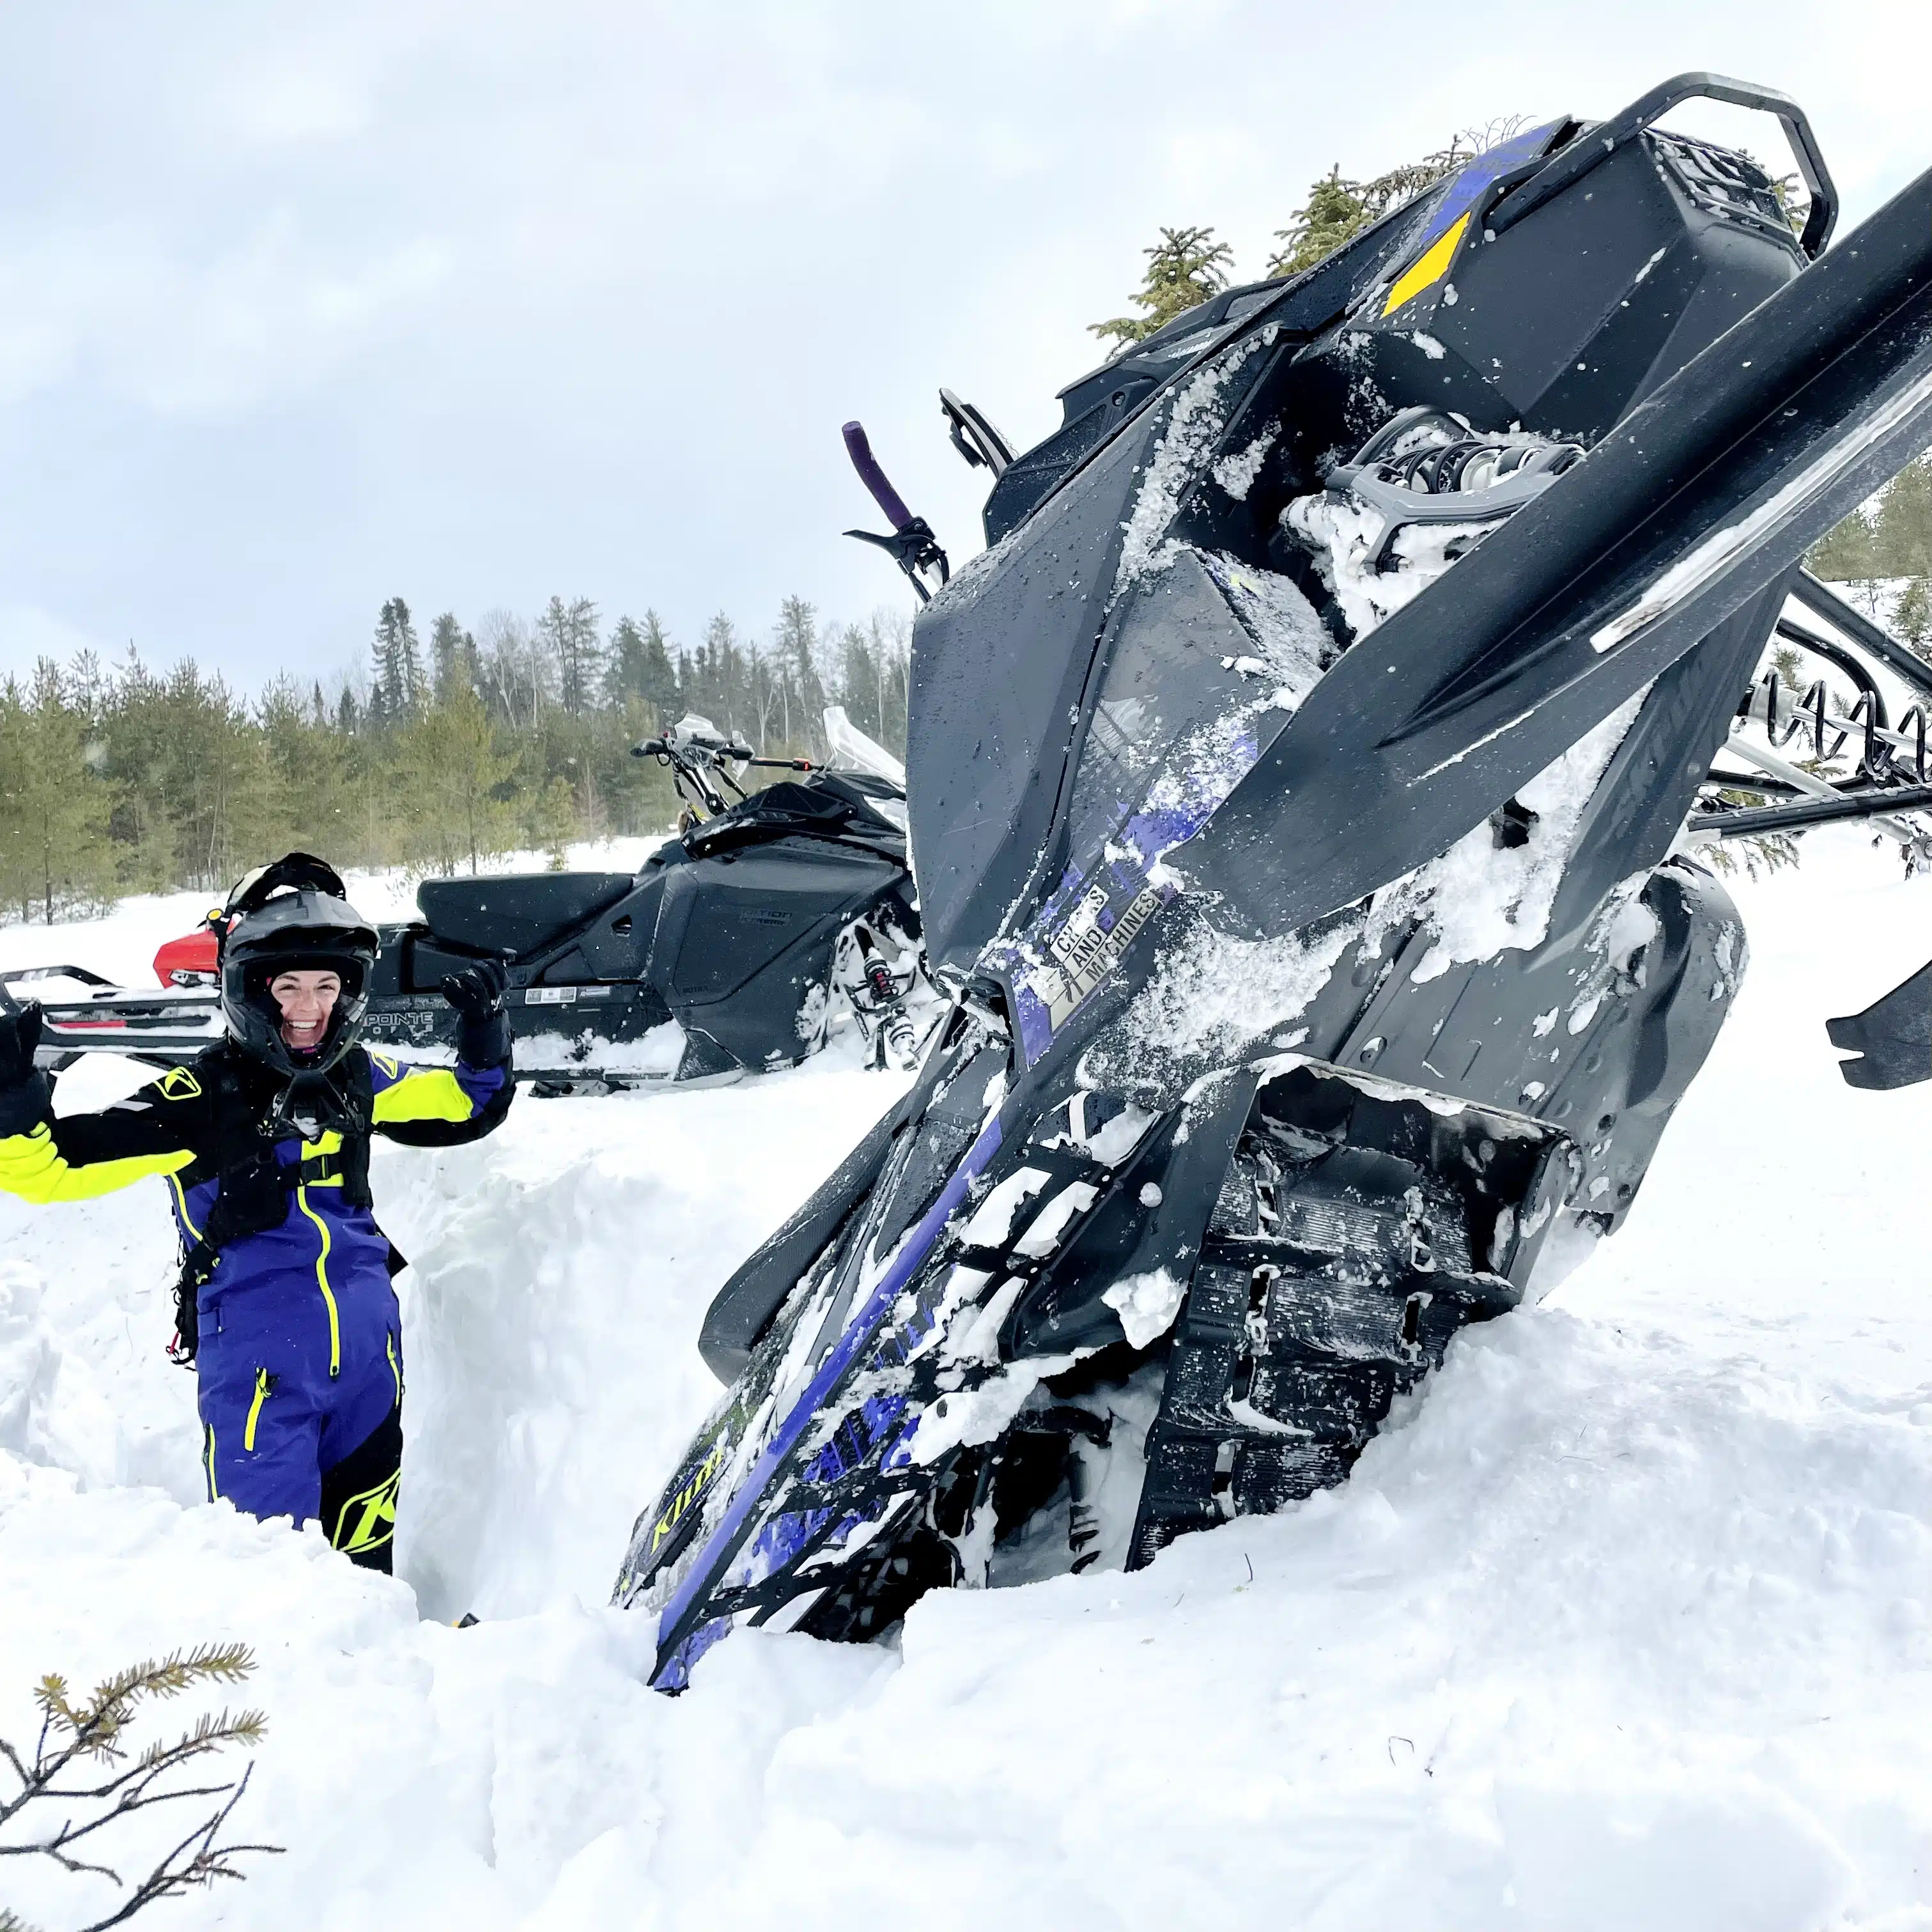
(293, 917)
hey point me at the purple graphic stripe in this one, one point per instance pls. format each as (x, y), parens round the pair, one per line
(1468, 187)
(718, 1546)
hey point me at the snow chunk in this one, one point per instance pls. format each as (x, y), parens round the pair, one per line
(1290, 641)
(1146, 1304)
(1197, 420)
(1236, 474)
(973, 1416)
(582, 1055)
(992, 1221)
(1482, 899)
(1343, 533)
(1120, 1136)
(1214, 993)
(1053, 1220)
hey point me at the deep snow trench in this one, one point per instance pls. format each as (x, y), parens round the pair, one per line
(1622, 1623)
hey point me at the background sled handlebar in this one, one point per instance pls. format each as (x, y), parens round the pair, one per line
(1598, 143)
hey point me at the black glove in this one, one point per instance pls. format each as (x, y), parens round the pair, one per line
(26, 1098)
(482, 1026)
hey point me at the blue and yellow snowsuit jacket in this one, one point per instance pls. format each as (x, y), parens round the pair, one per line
(300, 1344)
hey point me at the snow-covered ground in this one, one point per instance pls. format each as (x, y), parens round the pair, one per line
(1622, 1623)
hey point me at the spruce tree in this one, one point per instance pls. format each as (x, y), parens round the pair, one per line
(54, 827)
(1337, 211)
(795, 642)
(396, 673)
(1902, 538)
(890, 632)
(1334, 212)
(716, 674)
(658, 686)
(568, 631)
(1844, 552)
(1912, 619)
(861, 686)
(1185, 267)
(639, 667)
(624, 663)
(452, 658)
(454, 777)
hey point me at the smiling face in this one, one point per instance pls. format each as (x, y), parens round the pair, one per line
(306, 1000)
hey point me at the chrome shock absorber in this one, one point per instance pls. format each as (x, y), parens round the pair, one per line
(878, 996)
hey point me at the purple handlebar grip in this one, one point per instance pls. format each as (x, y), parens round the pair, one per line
(873, 477)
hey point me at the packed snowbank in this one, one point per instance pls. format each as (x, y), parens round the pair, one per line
(1622, 1622)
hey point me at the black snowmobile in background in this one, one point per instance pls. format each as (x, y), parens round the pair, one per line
(728, 951)
(1306, 790)
(724, 954)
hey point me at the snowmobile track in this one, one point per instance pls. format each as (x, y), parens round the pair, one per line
(1317, 1301)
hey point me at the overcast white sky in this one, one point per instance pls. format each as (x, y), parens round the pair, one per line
(302, 308)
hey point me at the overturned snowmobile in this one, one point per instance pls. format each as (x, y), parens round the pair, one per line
(1300, 784)
(729, 952)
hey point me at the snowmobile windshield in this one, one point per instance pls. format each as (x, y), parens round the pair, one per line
(1000, 660)
(1205, 663)
(1199, 672)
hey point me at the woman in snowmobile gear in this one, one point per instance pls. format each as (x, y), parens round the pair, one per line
(285, 1302)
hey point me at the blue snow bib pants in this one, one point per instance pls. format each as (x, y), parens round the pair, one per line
(300, 1356)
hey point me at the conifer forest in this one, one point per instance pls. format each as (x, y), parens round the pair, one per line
(452, 744)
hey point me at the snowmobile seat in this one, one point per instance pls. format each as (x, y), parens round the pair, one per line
(516, 914)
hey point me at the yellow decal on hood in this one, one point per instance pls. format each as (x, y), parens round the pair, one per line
(1430, 268)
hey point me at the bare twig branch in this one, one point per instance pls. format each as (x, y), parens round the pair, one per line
(206, 1862)
(93, 1730)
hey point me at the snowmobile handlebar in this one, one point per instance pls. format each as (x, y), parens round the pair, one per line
(1595, 145)
(697, 754)
(912, 545)
(739, 755)
(859, 447)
